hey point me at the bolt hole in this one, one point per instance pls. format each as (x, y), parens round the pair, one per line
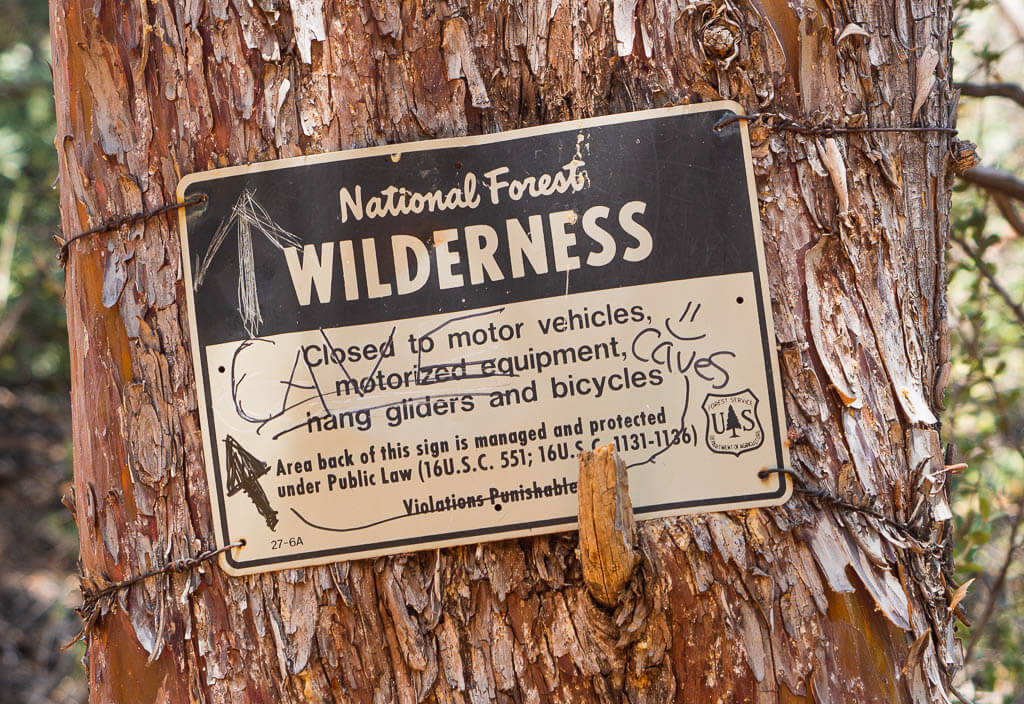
(739, 299)
(221, 369)
(497, 507)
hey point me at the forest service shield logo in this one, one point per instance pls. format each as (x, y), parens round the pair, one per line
(733, 424)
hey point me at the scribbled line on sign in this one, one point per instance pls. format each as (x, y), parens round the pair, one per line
(420, 372)
(662, 354)
(680, 434)
(412, 510)
(352, 529)
(495, 497)
(434, 367)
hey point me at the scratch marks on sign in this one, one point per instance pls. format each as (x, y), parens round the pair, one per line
(349, 529)
(243, 473)
(246, 216)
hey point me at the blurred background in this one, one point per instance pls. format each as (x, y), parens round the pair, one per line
(984, 415)
(38, 542)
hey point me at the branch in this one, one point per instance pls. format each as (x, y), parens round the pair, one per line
(989, 90)
(1014, 306)
(8, 238)
(21, 91)
(995, 180)
(1009, 212)
(997, 588)
(1011, 19)
(11, 316)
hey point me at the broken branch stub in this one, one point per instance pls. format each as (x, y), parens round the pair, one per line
(607, 528)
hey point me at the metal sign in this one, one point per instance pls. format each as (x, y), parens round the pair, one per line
(408, 346)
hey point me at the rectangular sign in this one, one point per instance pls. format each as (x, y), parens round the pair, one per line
(408, 346)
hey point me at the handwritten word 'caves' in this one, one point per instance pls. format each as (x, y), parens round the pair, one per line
(473, 254)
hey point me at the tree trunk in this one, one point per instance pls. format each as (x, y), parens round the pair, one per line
(808, 602)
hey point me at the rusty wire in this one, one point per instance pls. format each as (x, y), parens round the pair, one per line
(119, 222)
(822, 496)
(778, 121)
(93, 600)
(772, 120)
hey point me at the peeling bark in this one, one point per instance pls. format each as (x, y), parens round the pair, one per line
(802, 603)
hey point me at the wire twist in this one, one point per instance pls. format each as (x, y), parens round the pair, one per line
(788, 124)
(124, 220)
(801, 487)
(781, 122)
(91, 600)
(182, 565)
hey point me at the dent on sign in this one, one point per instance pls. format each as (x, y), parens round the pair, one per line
(406, 353)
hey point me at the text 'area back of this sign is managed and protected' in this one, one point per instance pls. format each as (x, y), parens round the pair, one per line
(408, 346)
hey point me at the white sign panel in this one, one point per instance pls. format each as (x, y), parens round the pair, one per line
(407, 347)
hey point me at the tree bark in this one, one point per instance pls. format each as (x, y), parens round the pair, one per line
(807, 602)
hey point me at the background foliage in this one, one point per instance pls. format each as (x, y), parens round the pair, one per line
(985, 401)
(38, 543)
(33, 339)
